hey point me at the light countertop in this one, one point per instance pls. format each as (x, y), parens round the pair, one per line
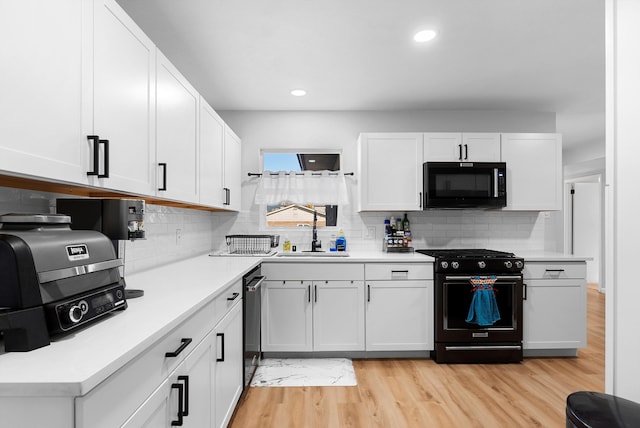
(74, 364)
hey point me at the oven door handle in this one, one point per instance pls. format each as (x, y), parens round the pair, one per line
(255, 283)
(468, 277)
(483, 348)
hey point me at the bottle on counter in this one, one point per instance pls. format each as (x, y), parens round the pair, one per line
(341, 241)
(332, 243)
(286, 246)
(399, 224)
(405, 223)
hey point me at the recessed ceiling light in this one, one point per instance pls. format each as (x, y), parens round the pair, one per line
(298, 92)
(425, 36)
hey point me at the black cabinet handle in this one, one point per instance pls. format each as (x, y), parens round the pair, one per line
(459, 151)
(180, 388)
(309, 292)
(185, 342)
(554, 270)
(420, 198)
(315, 293)
(163, 165)
(227, 196)
(185, 409)
(368, 293)
(106, 159)
(221, 347)
(96, 158)
(233, 297)
(466, 151)
(524, 291)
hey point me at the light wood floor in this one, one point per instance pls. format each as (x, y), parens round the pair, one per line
(421, 393)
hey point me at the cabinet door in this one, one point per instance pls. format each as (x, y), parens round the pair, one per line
(390, 172)
(555, 314)
(40, 108)
(232, 174)
(443, 147)
(399, 315)
(228, 379)
(177, 130)
(211, 156)
(481, 147)
(534, 171)
(287, 316)
(194, 375)
(119, 99)
(338, 316)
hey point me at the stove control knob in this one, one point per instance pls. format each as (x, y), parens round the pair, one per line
(75, 314)
(519, 264)
(482, 264)
(444, 265)
(455, 265)
(508, 264)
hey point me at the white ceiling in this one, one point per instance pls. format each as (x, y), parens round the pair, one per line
(526, 55)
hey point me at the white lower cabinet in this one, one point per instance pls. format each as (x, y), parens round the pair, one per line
(399, 309)
(555, 305)
(229, 364)
(313, 314)
(193, 375)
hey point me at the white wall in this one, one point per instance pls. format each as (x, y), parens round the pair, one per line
(511, 231)
(623, 176)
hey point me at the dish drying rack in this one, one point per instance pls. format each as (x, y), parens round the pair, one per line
(252, 244)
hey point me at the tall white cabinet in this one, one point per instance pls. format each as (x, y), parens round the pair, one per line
(534, 171)
(118, 100)
(177, 109)
(40, 132)
(390, 171)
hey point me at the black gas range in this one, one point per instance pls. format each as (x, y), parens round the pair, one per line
(478, 305)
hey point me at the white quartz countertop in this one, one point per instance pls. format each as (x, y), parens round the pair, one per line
(357, 256)
(74, 364)
(550, 256)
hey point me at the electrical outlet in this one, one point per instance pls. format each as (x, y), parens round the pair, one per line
(178, 236)
(370, 233)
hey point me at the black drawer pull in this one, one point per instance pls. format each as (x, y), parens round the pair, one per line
(524, 291)
(106, 159)
(185, 342)
(233, 297)
(185, 379)
(554, 270)
(368, 293)
(180, 388)
(221, 346)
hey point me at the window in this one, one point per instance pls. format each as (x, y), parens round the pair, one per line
(284, 214)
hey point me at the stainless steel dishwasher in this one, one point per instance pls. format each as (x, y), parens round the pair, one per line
(252, 282)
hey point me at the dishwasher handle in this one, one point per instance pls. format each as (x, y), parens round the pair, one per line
(255, 283)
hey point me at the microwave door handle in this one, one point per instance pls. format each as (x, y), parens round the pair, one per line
(495, 182)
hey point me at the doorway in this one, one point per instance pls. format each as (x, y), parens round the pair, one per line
(583, 221)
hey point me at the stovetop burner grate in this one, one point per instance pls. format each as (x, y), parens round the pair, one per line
(465, 253)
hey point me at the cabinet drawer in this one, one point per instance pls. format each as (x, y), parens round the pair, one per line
(141, 376)
(313, 271)
(554, 270)
(398, 271)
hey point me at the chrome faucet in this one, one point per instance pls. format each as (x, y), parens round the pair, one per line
(315, 244)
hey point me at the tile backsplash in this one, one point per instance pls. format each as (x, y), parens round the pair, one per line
(175, 233)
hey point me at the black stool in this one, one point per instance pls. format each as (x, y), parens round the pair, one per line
(597, 410)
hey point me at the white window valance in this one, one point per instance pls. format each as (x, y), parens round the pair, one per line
(309, 187)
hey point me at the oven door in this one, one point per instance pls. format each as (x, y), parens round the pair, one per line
(454, 296)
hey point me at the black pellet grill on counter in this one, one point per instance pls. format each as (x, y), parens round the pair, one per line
(54, 279)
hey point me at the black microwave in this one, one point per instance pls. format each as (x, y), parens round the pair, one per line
(465, 185)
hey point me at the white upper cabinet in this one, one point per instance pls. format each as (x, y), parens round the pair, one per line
(390, 172)
(231, 191)
(118, 100)
(461, 147)
(211, 156)
(534, 171)
(177, 104)
(40, 133)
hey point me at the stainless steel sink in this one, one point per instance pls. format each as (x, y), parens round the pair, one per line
(314, 254)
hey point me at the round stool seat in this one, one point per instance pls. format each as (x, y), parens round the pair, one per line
(594, 410)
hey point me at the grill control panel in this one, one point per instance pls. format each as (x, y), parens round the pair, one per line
(82, 309)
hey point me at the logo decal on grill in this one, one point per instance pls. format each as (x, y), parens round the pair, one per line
(77, 252)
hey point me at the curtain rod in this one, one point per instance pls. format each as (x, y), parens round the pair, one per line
(259, 174)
